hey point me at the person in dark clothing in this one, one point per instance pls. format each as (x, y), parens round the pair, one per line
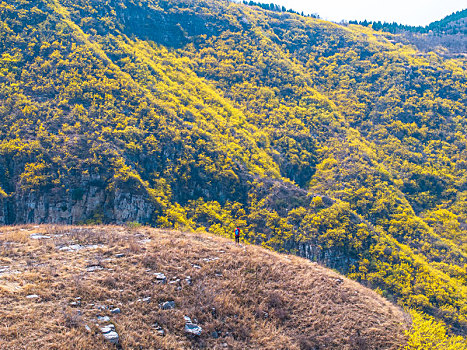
(237, 235)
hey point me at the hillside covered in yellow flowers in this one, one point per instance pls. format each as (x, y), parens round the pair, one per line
(330, 142)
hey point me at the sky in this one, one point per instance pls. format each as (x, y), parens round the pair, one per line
(411, 12)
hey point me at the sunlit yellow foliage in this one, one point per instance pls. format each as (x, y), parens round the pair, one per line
(429, 334)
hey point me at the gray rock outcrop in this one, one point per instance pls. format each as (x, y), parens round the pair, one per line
(167, 305)
(89, 200)
(110, 334)
(192, 328)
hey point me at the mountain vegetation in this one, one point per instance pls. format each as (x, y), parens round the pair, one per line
(448, 36)
(275, 7)
(451, 24)
(326, 141)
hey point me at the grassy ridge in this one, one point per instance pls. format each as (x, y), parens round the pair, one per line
(250, 297)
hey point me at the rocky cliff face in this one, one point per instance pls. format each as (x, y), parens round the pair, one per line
(332, 258)
(159, 23)
(86, 204)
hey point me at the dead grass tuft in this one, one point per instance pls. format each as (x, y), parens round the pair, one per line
(308, 343)
(149, 261)
(133, 245)
(71, 319)
(109, 282)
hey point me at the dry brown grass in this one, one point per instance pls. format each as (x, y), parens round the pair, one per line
(252, 298)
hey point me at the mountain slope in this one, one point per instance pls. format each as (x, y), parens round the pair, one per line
(446, 36)
(242, 297)
(316, 139)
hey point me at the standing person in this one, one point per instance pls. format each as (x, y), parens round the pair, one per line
(237, 235)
